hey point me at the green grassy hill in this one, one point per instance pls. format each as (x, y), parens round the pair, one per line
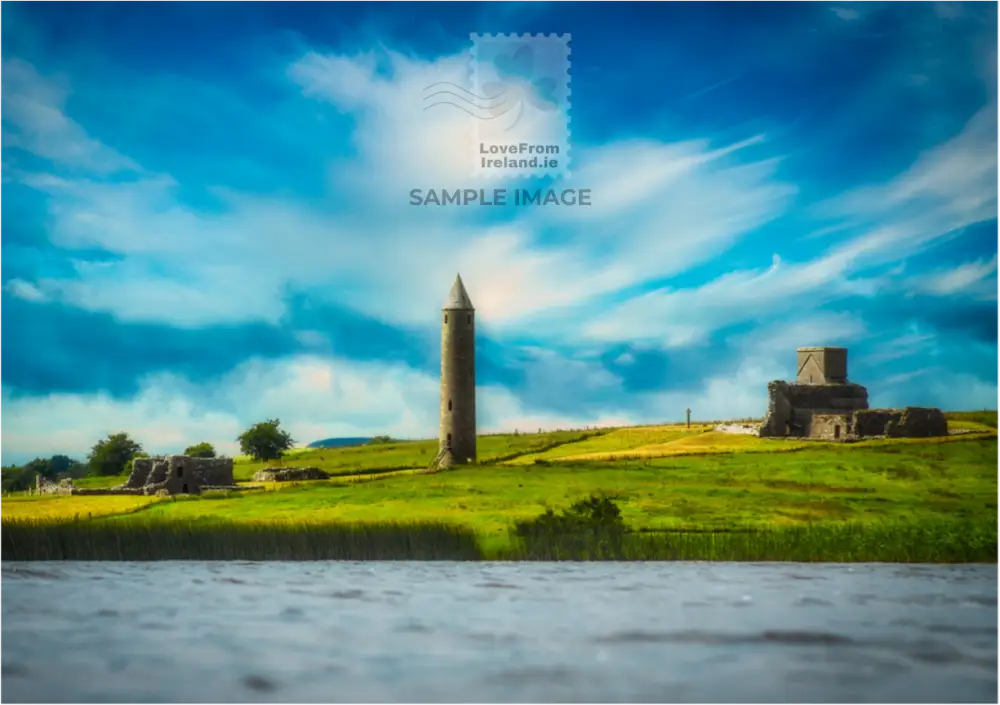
(664, 478)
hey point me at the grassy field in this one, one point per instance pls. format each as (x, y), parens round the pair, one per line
(971, 419)
(386, 457)
(669, 482)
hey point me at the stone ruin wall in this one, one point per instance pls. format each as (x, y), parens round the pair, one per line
(831, 427)
(178, 474)
(44, 485)
(839, 412)
(173, 474)
(909, 422)
(791, 406)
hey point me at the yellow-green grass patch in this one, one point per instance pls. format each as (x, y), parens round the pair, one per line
(614, 441)
(69, 507)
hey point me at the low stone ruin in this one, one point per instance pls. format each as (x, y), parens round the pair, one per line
(821, 404)
(290, 474)
(179, 474)
(169, 475)
(44, 485)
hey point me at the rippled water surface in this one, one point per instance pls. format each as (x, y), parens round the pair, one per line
(537, 632)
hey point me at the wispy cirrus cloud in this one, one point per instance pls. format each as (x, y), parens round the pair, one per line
(34, 121)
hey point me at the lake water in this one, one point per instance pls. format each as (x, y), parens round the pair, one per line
(499, 632)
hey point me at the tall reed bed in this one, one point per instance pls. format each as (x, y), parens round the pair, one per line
(597, 535)
(593, 529)
(141, 539)
(945, 541)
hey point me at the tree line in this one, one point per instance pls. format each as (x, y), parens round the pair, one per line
(115, 454)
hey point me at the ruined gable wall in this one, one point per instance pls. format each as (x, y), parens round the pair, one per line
(921, 422)
(876, 422)
(212, 471)
(141, 467)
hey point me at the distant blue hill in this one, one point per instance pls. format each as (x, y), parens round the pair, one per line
(338, 442)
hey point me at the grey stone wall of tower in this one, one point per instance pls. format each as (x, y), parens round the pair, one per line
(458, 378)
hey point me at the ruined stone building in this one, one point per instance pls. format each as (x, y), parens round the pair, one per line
(824, 405)
(179, 474)
(458, 378)
(172, 474)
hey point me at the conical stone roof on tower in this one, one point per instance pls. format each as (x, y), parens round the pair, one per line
(458, 298)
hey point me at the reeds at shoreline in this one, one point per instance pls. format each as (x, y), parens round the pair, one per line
(142, 539)
(944, 541)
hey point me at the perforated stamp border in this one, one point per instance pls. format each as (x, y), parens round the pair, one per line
(566, 156)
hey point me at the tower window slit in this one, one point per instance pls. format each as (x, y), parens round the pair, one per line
(446, 318)
(470, 318)
(449, 405)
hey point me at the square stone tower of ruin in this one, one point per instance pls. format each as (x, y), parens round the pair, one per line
(458, 378)
(822, 365)
(820, 402)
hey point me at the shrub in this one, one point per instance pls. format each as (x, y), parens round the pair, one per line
(591, 528)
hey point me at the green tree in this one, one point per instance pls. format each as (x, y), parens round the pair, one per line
(40, 466)
(111, 455)
(63, 465)
(265, 440)
(57, 467)
(17, 478)
(200, 450)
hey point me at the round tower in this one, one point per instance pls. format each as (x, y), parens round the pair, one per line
(458, 378)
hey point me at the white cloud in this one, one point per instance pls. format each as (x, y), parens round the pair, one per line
(34, 118)
(909, 345)
(779, 341)
(936, 387)
(846, 13)
(680, 317)
(973, 279)
(24, 290)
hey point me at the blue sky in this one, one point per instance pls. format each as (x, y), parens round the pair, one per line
(205, 216)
